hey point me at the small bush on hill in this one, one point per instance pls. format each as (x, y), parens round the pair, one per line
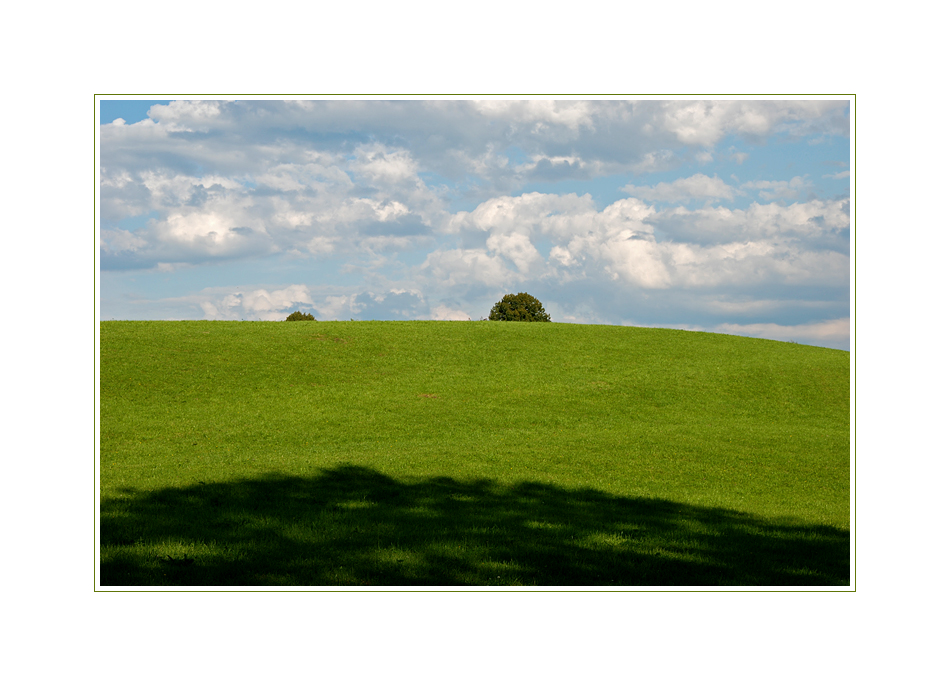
(299, 317)
(519, 308)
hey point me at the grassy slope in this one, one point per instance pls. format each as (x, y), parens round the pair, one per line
(442, 452)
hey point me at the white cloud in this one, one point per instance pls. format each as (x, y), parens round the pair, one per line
(378, 165)
(469, 266)
(760, 307)
(360, 190)
(311, 176)
(707, 122)
(558, 168)
(752, 264)
(337, 307)
(639, 262)
(255, 304)
(541, 114)
(517, 247)
(770, 190)
(269, 301)
(294, 207)
(120, 240)
(188, 227)
(453, 138)
(524, 213)
(322, 245)
(738, 248)
(445, 313)
(562, 256)
(317, 203)
(836, 332)
(814, 219)
(696, 187)
(616, 239)
(187, 115)
(654, 161)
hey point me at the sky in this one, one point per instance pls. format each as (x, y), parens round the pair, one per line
(728, 216)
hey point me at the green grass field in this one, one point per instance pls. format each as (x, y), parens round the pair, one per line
(469, 453)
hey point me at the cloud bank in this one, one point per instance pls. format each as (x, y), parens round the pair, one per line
(625, 212)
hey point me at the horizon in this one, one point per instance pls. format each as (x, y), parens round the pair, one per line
(718, 216)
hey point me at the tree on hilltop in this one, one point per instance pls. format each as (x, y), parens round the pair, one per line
(519, 308)
(299, 317)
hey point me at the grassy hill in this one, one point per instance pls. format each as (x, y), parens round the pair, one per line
(457, 453)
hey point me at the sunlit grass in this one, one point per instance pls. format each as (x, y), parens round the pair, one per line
(199, 418)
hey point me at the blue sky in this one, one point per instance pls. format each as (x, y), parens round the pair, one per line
(728, 216)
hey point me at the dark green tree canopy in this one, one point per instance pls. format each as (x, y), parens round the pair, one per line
(298, 317)
(519, 308)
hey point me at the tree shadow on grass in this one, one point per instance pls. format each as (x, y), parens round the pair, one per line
(355, 526)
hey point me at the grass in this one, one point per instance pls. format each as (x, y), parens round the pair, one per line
(469, 453)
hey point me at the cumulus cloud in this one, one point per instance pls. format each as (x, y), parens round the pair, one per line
(375, 163)
(461, 267)
(188, 115)
(314, 206)
(790, 189)
(695, 187)
(337, 307)
(812, 220)
(524, 214)
(446, 313)
(253, 304)
(754, 263)
(408, 200)
(455, 139)
(705, 248)
(706, 123)
(615, 240)
(558, 168)
(517, 247)
(541, 115)
(830, 333)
